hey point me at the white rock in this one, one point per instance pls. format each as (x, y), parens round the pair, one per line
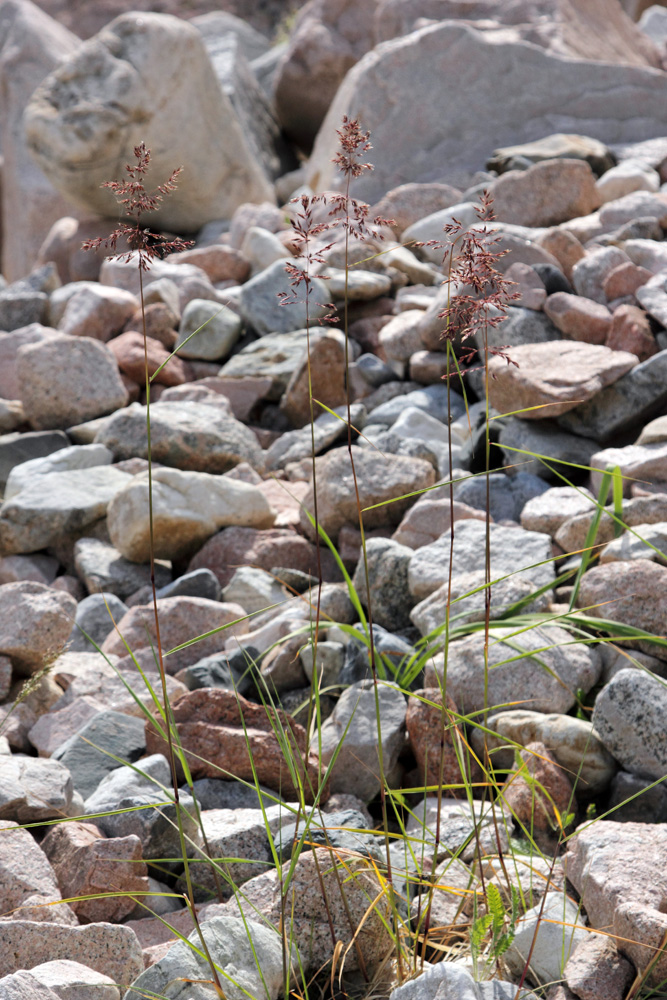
(188, 507)
(262, 248)
(80, 120)
(74, 981)
(254, 589)
(77, 457)
(31, 45)
(626, 177)
(219, 329)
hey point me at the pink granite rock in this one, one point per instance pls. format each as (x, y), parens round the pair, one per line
(27, 881)
(556, 377)
(579, 318)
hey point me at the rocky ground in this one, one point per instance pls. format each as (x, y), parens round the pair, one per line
(568, 803)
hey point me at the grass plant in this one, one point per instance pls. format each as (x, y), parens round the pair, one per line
(402, 892)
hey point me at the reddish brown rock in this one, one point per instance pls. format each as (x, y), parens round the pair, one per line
(631, 331)
(579, 318)
(409, 203)
(62, 245)
(555, 377)
(624, 279)
(87, 863)
(181, 619)
(161, 324)
(327, 366)
(565, 247)
(545, 194)
(432, 733)
(218, 262)
(128, 349)
(225, 735)
(596, 971)
(539, 791)
(234, 547)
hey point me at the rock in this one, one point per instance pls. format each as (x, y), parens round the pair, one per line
(528, 285)
(545, 194)
(32, 791)
(559, 146)
(22, 306)
(408, 203)
(387, 565)
(241, 834)
(331, 829)
(595, 970)
(86, 863)
(110, 949)
(65, 460)
(54, 507)
(33, 44)
(233, 547)
(590, 273)
(95, 616)
(272, 359)
(516, 67)
(513, 552)
(135, 52)
(10, 343)
(325, 43)
(631, 331)
(564, 247)
(219, 329)
(101, 567)
(16, 448)
(638, 204)
(5, 677)
(24, 986)
(28, 883)
(643, 462)
(574, 744)
(181, 619)
(379, 480)
(653, 297)
(327, 666)
(142, 785)
(98, 312)
(433, 736)
(199, 583)
(626, 717)
(546, 935)
(249, 953)
(262, 307)
(35, 622)
(188, 507)
(354, 723)
(459, 985)
(262, 248)
(215, 793)
(626, 177)
(508, 495)
(103, 743)
(131, 357)
(629, 592)
(617, 869)
(326, 382)
(219, 262)
(466, 830)
(73, 980)
(430, 518)
(68, 380)
(540, 382)
(193, 437)
(210, 728)
(539, 794)
(579, 318)
(624, 280)
(253, 589)
(630, 401)
(33, 569)
(513, 679)
(315, 902)
(542, 446)
(34, 698)
(637, 800)
(327, 428)
(646, 541)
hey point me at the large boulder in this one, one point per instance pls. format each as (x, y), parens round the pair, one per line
(32, 45)
(417, 128)
(328, 38)
(84, 121)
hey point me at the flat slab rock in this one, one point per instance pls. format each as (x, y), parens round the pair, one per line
(620, 870)
(111, 949)
(556, 376)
